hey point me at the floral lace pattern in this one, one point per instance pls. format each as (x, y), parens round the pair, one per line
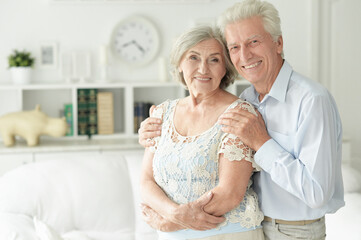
(187, 167)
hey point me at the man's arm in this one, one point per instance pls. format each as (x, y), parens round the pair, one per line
(190, 215)
(149, 128)
(308, 172)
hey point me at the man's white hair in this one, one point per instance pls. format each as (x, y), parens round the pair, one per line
(252, 8)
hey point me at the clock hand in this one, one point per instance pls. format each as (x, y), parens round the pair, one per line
(128, 43)
(139, 47)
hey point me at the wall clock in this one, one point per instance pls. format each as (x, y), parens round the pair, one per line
(135, 41)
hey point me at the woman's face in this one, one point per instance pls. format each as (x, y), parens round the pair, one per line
(203, 67)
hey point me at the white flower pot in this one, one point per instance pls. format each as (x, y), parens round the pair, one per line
(21, 75)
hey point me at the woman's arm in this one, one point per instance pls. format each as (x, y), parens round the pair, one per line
(189, 215)
(233, 181)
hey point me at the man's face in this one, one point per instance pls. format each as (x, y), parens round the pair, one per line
(253, 52)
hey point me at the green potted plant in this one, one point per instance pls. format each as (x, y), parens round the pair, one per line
(20, 64)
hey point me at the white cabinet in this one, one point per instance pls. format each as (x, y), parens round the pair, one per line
(130, 1)
(52, 98)
(10, 161)
(65, 155)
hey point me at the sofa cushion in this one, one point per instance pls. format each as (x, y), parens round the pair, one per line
(142, 230)
(89, 193)
(351, 179)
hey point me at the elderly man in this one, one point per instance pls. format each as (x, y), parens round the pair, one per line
(297, 135)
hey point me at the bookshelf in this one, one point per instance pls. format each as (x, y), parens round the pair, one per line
(53, 97)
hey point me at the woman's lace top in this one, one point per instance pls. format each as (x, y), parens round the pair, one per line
(186, 167)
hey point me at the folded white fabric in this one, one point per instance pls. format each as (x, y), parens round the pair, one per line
(45, 232)
(76, 235)
(16, 227)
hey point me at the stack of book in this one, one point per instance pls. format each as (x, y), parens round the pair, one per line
(141, 112)
(87, 111)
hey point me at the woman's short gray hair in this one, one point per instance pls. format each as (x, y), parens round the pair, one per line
(252, 8)
(191, 38)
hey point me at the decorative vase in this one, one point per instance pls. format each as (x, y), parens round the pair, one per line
(21, 75)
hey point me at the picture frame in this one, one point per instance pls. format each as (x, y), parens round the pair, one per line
(48, 55)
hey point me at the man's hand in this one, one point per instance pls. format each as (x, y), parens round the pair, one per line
(249, 128)
(192, 215)
(149, 128)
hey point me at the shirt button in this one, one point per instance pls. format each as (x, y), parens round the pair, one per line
(261, 107)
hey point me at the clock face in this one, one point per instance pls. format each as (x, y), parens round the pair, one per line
(135, 41)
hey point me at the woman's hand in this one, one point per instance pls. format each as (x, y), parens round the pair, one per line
(192, 215)
(149, 128)
(158, 222)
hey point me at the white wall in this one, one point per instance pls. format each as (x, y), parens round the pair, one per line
(85, 26)
(345, 69)
(25, 24)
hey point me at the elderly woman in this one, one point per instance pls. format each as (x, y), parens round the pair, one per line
(196, 179)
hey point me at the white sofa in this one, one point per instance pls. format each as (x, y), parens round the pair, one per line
(96, 197)
(91, 197)
(345, 223)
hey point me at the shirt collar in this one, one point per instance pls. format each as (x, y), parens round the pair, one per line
(279, 87)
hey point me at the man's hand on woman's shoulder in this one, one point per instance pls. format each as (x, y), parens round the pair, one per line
(247, 126)
(149, 128)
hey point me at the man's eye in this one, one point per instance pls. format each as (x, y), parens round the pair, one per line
(254, 43)
(233, 48)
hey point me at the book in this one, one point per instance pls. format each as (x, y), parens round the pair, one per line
(82, 97)
(141, 112)
(105, 112)
(92, 127)
(68, 114)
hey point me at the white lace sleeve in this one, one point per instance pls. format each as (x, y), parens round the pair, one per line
(233, 148)
(158, 112)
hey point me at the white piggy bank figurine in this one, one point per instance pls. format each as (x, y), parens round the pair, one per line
(30, 125)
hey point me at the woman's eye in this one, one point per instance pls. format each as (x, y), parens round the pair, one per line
(214, 60)
(193, 57)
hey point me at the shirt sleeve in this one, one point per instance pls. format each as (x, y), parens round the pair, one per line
(307, 172)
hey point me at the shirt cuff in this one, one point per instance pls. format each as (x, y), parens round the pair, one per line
(268, 154)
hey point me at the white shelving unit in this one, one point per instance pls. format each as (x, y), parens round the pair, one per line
(128, 1)
(52, 98)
